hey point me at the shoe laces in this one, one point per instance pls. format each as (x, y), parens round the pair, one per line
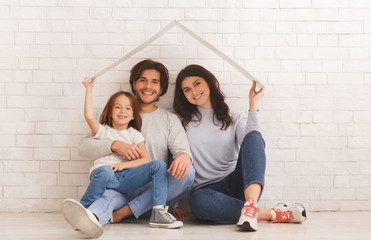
(165, 214)
(250, 209)
(283, 216)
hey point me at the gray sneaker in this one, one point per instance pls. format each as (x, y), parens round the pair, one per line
(81, 219)
(161, 218)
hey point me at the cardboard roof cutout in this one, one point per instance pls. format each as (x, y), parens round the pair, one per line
(194, 35)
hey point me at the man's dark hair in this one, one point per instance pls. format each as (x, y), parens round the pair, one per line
(137, 70)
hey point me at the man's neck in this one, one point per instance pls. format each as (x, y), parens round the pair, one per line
(147, 108)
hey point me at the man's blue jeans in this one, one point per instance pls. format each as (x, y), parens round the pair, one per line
(222, 201)
(127, 181)
(140, 201)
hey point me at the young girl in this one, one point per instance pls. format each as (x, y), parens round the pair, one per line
(120, 120)
(228, 153)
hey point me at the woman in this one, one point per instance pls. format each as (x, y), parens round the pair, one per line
(228, 154)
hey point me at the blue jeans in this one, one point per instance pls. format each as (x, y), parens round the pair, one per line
(139, 201)
(222, 201)
(127, 181)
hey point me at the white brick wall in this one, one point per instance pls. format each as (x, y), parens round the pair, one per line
(313, 56)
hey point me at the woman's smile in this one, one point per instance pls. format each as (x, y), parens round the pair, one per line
(197, 91)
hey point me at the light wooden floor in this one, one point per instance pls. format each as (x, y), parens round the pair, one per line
(323, 226)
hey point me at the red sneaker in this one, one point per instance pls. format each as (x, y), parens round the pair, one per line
(294, 214)
(249, 216)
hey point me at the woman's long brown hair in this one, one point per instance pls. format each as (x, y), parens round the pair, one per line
(185, 109)
(106, 116)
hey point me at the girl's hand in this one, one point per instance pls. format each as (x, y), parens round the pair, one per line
(254, 97)
(116, 167)
(88, 84)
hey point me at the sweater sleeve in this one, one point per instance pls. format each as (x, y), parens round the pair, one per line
(177, 141)
(253, 122)
(93, 148)
(246, 125)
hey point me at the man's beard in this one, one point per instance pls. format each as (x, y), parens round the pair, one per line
(137, 93)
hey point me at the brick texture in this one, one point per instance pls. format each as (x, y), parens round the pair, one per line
(312, 55)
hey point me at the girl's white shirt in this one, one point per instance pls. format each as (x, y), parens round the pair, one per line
(130, 136)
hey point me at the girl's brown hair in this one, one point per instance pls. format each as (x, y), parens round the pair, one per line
(106, 116)
(185, 109)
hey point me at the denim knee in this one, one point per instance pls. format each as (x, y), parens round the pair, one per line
(185, 183)
(102, 172)
(253, 136)
(253, 158)
(158, 166)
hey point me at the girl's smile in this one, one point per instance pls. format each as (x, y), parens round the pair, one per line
(122, 113)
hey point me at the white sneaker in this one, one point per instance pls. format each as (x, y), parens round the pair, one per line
(294, 214)
(249, 216)
(161, 218)
(81, 219)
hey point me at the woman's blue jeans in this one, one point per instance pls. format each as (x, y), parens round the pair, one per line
(127, 181)
(222, 201)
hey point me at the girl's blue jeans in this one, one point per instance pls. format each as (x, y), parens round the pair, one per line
(127, 181)
(140, 200)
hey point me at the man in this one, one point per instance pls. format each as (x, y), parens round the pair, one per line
(163, 133)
